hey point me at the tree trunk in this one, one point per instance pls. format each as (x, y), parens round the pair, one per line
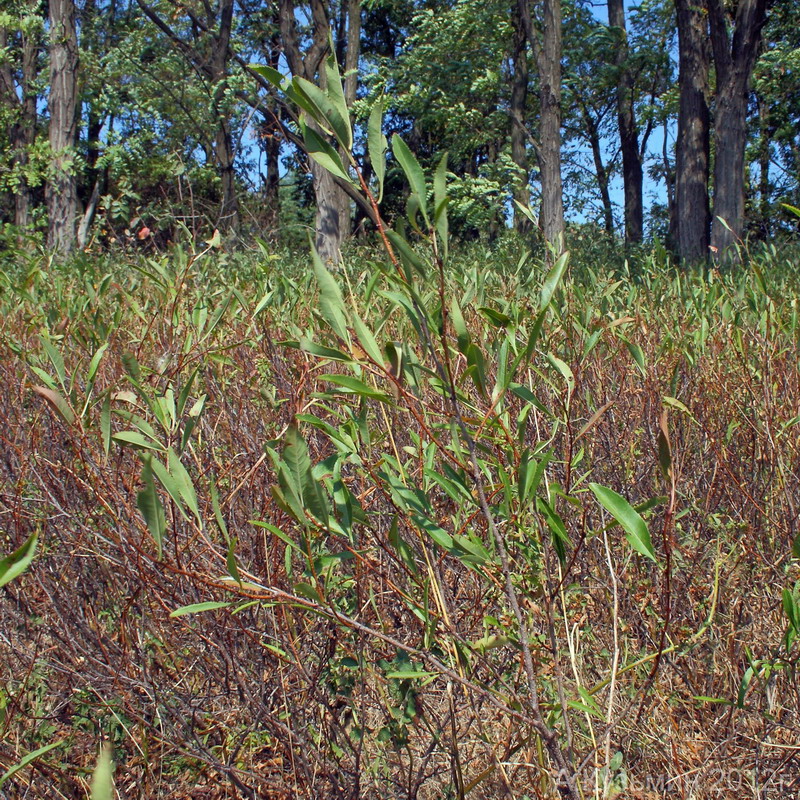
(628, 132)
(692, 147)
(61, 191)
(20, 102)
(327, 225)
(549, 66)
(352, 54)
(519, 100)
(734, 59)
(548, 63)
(223, 141)
(30, 49)
(600, 170)
(328, 195)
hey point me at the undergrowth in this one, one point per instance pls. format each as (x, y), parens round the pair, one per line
(281, 520)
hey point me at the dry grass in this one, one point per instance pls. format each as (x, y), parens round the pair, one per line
(268, 702)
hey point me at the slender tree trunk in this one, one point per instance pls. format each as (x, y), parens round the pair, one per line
(601, 171)
(223, 140)
(548, 64)
(692, 147)
(327, 224)
(351, 57)
(670, 180)
(30, 49)
(519, 101)
(628, 132)
(21, 108)
(328, 228)
(271, 142)
(61, 191)
(734, 58)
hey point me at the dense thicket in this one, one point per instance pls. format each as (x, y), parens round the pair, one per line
(126, 118)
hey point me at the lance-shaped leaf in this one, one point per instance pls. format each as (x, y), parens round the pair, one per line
(272, 75)
(337, 99)
(57, 402)
(629, 519)
(27, 759)
(298, 465)
(17, 562)
(350, 385)
(414, 173)
(152, 509)
(552, 280)
(331, 302)
(407, 255)
(440, 205)
(377, 145)
(323, 152)
(336, 116)
(198, 608)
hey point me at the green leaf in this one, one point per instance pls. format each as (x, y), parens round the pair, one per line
(331, 302)
(185, 485)
(563, 369)
(15, 564)
(408, 674)
(638, 356)
(407, 255)
(437, 533)
(169, 483)
(553, 279)
(367, 340)
(673, 402)
(495, 317)
(791, 609)
(132, 368)
(337, 100)
(25, 760)
(557, 528)
(103, 777)
(230, 561)
(139, 440)
(490, 642)
(272, 75)
(323, 153)
(105, 424)
(405, 553)
(351, 385)
(624, 513)
(377, 145)
(414, 173)
(197, 608)
(476, 367)
(440, 204)
(319, 350)
(338, 118)
(217, 508)
(152, 509)
(95, 362)
(56, 360)
(295, 457)
(526, 212)
(459, 326)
